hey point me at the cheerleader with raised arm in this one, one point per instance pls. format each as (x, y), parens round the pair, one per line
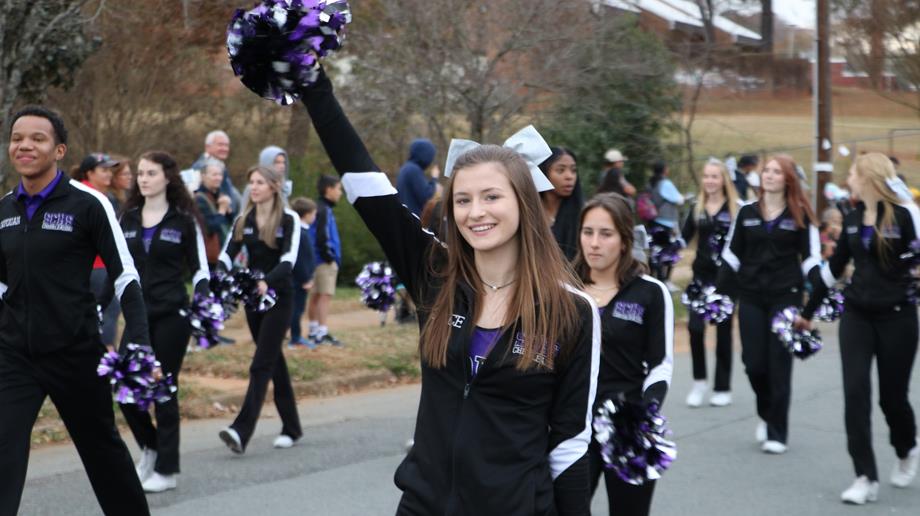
(708, 223)
(509, 349)
(637, 331)
(773, 245)
(879, 319)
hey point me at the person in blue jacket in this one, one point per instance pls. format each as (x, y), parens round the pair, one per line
(413, 186)
(328, 246)
(303, 268)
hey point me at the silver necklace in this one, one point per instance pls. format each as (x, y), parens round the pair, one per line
(496, 287)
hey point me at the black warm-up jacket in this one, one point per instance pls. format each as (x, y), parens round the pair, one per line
(504, 443)
(45, 265)
(176, 252)
(878, 284)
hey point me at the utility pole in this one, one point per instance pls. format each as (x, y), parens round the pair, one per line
(821, 92)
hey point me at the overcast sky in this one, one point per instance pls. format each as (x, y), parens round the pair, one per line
(800, 13)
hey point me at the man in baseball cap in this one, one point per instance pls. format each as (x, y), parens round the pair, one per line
(612, 178)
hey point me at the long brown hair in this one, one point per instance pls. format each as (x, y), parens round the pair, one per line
(628, 267)
(541, 307)
(796, 201)
(267, 233)
(177, 194)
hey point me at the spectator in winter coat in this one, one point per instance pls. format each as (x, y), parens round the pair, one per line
(414, 187)
(328, 246)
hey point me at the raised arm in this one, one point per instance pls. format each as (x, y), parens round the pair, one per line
(398, 231)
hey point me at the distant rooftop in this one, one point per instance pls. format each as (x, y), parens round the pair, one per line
(685, 12)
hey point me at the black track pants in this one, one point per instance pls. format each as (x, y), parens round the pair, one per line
(84, 401)
(767, 362)
(169, 336)
(623, 499)
(723, 372)
(892, 339)
(268, 364)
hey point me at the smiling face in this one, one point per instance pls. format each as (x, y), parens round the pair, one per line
(260, 190)
(485, 207)
(151, 180)
(32, 149)
(772, 178)
(713, 180)
(562, 174)
(601, 244)
(219, 147)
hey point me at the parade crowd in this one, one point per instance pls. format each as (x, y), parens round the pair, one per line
(546, 320)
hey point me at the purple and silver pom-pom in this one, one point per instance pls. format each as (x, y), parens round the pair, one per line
(248, 281)
(132, 378)
(206, 317)
(633, 439)
(378, 286)
(802, 344)
(227, 290)
(831, 306)
(704, 301)
(667, 254)
(275, 47)
(717, 241)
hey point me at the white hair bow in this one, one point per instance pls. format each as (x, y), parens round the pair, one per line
(527, 143)
(896, 184)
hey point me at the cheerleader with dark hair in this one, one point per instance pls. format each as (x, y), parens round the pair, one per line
(637, 330)
(708, 222)
(773, 245)
(162, 226)
(563, 203)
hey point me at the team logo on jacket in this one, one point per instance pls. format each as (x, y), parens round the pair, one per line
(852, 230)
(131, 234)
(9, 222)
(751, 222)
(787, 224)
(518, 349)
(724, 217)
(892, 232)
(171, 235)
(248, 230)
(632, 312)
(279, 233)
(456, 321)
(58, 222)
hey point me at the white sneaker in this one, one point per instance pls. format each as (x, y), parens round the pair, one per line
(697, 393)
(861, 491)
(231, 438)
(773, 447)
(158, 483)
(906, 469)
(144, 467)
(284, 441)
(720, 399)
(760, 433)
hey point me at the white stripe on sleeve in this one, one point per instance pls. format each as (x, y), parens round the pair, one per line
(814, 250)
(128, 272)
(366, 184)
(203, 272)
(569, 451)
(291, 255)
(727, 255)
(665, 370)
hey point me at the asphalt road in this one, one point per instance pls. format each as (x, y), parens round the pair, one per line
(353, 444)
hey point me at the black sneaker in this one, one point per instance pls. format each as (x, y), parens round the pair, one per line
(329, 339)
(225, 340)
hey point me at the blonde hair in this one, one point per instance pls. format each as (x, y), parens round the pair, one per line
(728, 189)
(876, 169)
(268, 232)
